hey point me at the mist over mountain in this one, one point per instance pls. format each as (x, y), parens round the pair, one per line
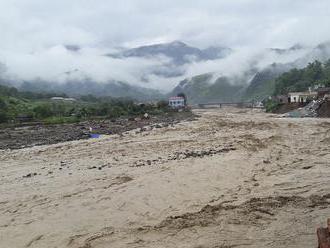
(175, 55)
(263, 84)
(253, 82)
(320, 52)
(155, 45)
(179, 52)
(211, 74)
(202, 89)
(291, 49)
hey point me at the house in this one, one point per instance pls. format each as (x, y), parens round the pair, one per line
(302, 97)
(57, 98)
(63, 99)
(176, 102)
(70, 99)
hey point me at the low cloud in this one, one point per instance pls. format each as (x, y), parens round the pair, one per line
(60, 64)
(36, 36)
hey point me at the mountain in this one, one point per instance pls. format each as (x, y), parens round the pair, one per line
(313, 75)
(250, 84)
(253, 84)
(72, 48)
(320, 53)
(86, 87)
(282, 51)
(179, 52)
(263, 83)
(202, 89)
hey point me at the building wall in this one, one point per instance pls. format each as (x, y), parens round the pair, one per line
(282, 99)
(294, 98)
(300, 98)
(176, 103)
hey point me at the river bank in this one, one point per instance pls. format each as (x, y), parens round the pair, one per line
(18, 137)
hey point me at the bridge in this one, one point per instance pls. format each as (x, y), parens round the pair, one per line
(222, 104)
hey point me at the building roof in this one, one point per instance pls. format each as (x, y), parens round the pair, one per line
(63, 99)
(176, 98)
(306, 93)
(323, 89)
(69, 99)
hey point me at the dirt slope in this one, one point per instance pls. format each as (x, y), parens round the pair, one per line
(324, 110)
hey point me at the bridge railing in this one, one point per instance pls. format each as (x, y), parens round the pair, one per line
(221, 104)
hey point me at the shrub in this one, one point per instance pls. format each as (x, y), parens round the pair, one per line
(61, 120)
(43, 111)
(3, 117)
(271, 105)
(162, 104)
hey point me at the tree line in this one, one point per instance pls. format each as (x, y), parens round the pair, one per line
(315, 73)
(39, 106)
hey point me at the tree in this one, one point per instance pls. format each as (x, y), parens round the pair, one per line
(3, 104)
(326, 72)
(313, 74)
(313, 71)
(3, 116)
(3, 111)
(43, 111)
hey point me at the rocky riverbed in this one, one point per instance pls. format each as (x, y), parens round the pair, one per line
(28, 136)
(232, 178)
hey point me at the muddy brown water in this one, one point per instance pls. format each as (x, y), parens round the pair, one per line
(232, 178)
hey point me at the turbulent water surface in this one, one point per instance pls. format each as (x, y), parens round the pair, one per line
(233, 178)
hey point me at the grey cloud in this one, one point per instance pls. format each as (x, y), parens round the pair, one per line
(34, 33)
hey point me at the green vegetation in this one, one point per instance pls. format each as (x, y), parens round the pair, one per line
(260, 91)
(263, 83)
(271, 105)
(18, 106)
(295, 80)
(61, 120)
(314, 74)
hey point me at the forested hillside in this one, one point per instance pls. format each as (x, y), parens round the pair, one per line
(202, 88)
(315, 73)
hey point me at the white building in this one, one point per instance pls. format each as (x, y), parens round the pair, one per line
(176, 102)
(70, 99)
(56, 98)
(302, 96)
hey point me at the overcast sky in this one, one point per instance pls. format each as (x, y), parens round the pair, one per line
(33, 31)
